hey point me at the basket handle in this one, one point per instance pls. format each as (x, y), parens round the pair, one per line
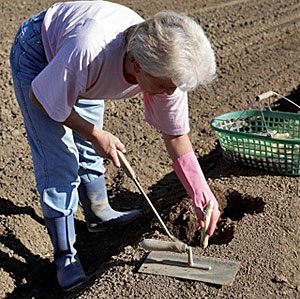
(258, 99)
(270, 93)
(265, 95)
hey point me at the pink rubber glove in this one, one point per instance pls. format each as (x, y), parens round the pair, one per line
(192, 178)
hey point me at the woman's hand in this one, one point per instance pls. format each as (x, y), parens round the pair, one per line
(105, 145)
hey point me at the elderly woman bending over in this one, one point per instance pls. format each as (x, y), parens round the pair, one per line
(66, 61)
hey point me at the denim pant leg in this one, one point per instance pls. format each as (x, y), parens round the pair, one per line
(91, 165)
(54, 153)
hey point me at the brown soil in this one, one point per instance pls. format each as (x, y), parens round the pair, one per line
(257, 48)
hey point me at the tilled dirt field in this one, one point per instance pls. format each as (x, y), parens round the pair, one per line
(257, 49)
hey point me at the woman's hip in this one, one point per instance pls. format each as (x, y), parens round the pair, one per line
(27, 56)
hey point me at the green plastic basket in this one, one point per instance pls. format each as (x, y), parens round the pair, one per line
(244, 139)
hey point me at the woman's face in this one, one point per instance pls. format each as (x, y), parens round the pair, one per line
(154, 85)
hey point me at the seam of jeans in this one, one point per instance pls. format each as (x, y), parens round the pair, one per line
(32, 127)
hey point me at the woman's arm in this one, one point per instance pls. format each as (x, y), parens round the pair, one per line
(188, 171)
(104, 143)
(177, 145)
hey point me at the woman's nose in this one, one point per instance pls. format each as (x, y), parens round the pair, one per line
(170, 91)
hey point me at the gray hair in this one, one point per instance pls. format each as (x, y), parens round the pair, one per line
(172, 45)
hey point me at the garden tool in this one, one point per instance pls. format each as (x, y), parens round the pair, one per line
(179, 261)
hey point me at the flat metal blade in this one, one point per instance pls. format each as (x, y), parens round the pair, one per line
(172, 264)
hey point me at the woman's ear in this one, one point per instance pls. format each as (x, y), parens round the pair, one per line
(136, 66)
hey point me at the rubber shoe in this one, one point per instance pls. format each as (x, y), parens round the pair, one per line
(125, 218)
(71, 276)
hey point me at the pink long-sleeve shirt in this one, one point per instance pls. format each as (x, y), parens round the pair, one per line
(85, 48)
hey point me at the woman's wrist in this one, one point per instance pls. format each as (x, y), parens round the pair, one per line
(95, 131)
(81, 126)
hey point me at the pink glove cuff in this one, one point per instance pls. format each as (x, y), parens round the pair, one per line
(192, 178)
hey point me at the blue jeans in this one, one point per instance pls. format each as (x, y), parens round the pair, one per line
(61, 158)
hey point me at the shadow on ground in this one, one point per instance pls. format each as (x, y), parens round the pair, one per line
(34, 276)
(27, 270)
(284, 105)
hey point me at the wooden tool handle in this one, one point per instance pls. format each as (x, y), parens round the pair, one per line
(150, 244)
(125, 164)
